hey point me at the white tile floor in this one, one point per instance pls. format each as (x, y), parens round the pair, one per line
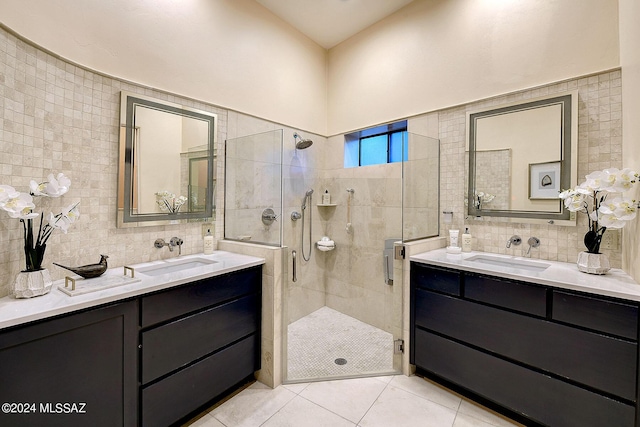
(391, 401)
(318, 339)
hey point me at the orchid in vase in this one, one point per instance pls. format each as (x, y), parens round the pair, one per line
(593, 198)
(21, 205)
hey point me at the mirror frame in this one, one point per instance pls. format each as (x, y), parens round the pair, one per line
(127, 108)
(569, 158)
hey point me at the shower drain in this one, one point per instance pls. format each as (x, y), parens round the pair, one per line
(341, 361)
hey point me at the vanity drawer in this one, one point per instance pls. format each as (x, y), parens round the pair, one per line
(596, 313)
(198, 295)
(169, 400)
(435, 279)
(602, 362)
(547, 400)
(512, 295)
(176, 344)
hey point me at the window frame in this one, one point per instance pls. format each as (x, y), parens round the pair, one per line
(388, 130)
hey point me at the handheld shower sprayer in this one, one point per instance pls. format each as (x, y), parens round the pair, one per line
(307, 196)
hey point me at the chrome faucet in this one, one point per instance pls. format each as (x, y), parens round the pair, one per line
(175, 241)
(514, 240)
(160, 243)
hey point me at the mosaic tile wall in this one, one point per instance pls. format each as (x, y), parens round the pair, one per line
(599, 147)
(58, 117)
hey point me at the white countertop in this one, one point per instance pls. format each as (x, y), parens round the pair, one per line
(18, 311)
(616, 283)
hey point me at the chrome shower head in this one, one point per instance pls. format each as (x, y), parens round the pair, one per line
(303, 143)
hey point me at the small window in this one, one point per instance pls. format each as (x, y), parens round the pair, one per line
(374, 146)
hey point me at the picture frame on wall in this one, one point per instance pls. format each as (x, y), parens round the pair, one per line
(544, 180)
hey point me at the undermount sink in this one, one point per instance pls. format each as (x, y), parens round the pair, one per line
(173, 266)
(497, 261)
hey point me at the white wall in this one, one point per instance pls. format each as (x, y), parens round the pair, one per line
(232, 53)
(630, 61)
(439, 53)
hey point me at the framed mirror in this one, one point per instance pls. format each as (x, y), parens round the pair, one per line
(167, 161)
(520, 157)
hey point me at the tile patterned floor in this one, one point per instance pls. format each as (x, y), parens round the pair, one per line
(317, 340)
(390, 401)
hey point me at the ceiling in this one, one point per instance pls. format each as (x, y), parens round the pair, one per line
(329, 22)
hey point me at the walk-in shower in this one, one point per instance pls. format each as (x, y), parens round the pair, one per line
(342, 315)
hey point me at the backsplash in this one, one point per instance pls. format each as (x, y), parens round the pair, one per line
(599, 147)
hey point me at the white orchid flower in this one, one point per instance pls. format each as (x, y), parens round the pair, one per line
(57, 186)
(52, 187)
(7, 192)
(573, 200)
(608, 179)
(37, 189)
(64, 219)
(21, 206)
(595, 181)
(624, 209)
(588, 187)
(624, 180)
(610, 221)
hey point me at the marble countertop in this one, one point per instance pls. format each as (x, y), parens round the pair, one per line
(18, 311)
(616, 283)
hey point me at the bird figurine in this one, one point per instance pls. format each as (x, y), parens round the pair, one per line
(90, 270)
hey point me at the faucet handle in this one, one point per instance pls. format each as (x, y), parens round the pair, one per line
(533, 242)
(176, 241)
(514, 240)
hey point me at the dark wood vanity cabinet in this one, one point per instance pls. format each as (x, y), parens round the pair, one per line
(197, 342)
(543, 355)
(75, 370)
(151, 360)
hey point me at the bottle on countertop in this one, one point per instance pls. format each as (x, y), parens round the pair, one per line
(209, 243)
(466, 240)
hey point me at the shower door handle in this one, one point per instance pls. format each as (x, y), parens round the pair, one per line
(388, 276)
(293, 257)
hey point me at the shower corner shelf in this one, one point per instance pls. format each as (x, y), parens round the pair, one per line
(327, 205)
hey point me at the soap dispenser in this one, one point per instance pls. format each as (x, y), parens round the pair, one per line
(466, 240)
(208, 243)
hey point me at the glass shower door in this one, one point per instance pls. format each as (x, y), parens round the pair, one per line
(253, 188)
(421, 188)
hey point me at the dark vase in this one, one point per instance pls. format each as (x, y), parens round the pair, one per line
(593, 239)
(33, 251)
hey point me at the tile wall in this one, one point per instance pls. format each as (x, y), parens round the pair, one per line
(58, 117)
